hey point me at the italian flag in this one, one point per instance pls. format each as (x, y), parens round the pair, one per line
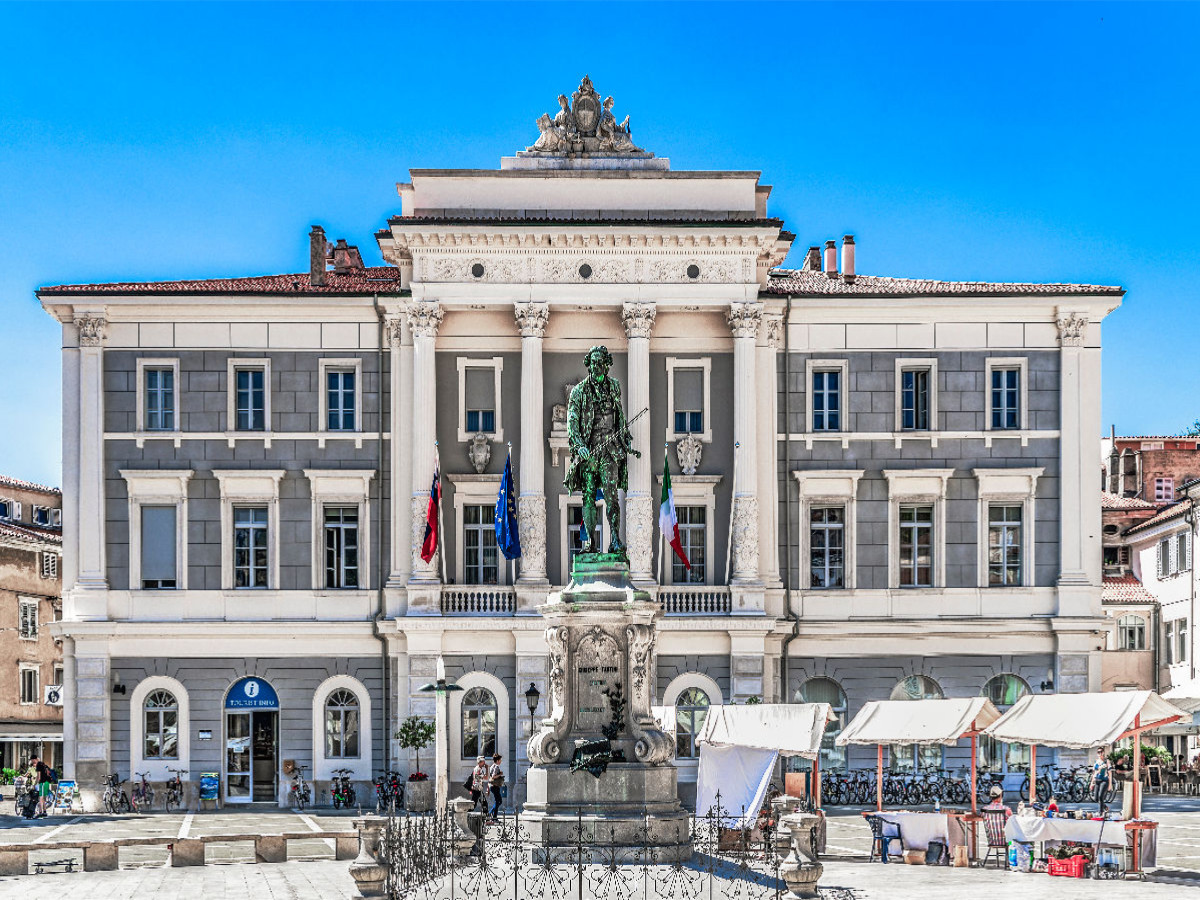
(668, 522)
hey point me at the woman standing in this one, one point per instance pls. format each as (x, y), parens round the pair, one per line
(1100, 779)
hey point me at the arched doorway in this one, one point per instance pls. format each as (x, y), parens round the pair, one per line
(996, 756)
(915, 757)
(251, 742)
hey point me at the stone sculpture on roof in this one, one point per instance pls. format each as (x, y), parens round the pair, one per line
(584, 125)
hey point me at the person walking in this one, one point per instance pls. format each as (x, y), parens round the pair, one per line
(41, 778)
(479, 783)
(496, 785)
(1100, 779)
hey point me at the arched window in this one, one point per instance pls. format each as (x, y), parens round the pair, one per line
(1004, 691)
(1131, 633)
(341, 725)
(161, 732)
(907, 756)
(691, 709)
(478, 723)
(826, 690)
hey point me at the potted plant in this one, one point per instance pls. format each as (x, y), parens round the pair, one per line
(416, 733)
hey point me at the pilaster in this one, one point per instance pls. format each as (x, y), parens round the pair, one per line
(70, 706)
(424, 318)
(91, 568)
(771, 339)
(531, 504)
(532, 668)
(638, 319)
(400, 360)
(745, 320)
(93, 716)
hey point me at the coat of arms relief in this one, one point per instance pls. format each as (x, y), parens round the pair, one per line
(583, 124)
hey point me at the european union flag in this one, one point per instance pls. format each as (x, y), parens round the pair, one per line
(508, 532)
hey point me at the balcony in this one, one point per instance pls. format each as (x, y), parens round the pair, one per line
(477, 600)
(694, 600)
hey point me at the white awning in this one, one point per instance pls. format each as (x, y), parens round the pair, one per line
(1082, 721)
(1186, 696)
(918, 721)
(792, 729)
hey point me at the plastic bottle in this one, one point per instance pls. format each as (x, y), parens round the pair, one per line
(937, 804)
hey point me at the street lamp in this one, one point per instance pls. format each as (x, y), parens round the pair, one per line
(442, 747)
(532, 696)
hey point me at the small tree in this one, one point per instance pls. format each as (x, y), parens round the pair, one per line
(416, 734)
(1192, 430)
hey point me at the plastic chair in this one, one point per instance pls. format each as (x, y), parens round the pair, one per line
(879, 838)
(997, 843)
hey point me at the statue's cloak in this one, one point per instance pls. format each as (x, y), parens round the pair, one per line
(583, 407)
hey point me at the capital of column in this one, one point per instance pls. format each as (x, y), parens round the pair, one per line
(745, 319)
(393, 330)
(532, 318)
(424, 317)
(638, 319)
(91, 329)
(773, 326)
(1072, 327)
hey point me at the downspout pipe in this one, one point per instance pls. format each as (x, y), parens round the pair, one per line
(788, 612)
(381, 610)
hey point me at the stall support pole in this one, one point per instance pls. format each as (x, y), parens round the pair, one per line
(974, 801)
(1032, 773)
(1136, 787)
(817, 780)
(879, 780)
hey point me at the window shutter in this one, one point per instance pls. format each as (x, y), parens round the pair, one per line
(158, 543)
(481, 388)
(56, 518)
(689, 389)
(16, 514)
(1159, 565)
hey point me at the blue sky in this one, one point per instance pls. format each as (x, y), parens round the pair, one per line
(1019, 142)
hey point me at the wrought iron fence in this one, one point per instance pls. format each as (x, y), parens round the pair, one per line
(431, 858)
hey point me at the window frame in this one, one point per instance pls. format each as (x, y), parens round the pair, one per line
(144, 363)
(342, 710)
(686, 530)
(340, 529)
(691, 490)
(340, 487)
(473, 490)
(908, 364)
(811, 368)
(1021, 364)
(920, 753)
(360, 766)
(145, 711)
(481, 530)
(157, 487)
(496, 365)
(1124, 625)
(692, 708)
(833, 728)
(917, 487)
(1007, 487)
(23, 605)
(234, 363)
(26, 669)
(1005, 527)
(692, 362)
(158, 768)
(829, 487)
(327, 366)
(48, 565)
(1164, 490)
(463, 709)
(249, 487)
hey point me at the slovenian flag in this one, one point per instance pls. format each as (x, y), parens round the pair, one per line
(429, 546)
(668, 522)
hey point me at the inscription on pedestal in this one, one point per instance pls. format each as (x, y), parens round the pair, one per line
(598, 673)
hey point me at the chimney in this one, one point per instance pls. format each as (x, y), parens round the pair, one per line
(346, 258)
(831, 259)
(812, 260)
(848, 258)
(318, 249)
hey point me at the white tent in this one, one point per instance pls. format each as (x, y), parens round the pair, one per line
(740, 744)
(882, 722)
(1084, 721)
(1185, 696)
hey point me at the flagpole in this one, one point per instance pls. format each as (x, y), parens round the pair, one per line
(512, 563)
(737, 445)
(437, 467)
(662, 549)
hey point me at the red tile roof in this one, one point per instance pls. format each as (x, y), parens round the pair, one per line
(800, 281)
(1116, 501)
(9, 481)
(1125, 589)
(372, 279)
(1174, 511)
(30, 534)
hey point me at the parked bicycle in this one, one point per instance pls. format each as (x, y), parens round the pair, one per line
(389, 793)
(1043, 785)
(143, 793)
(174, 789)
(299, 793)
(342, 789)
(115, 799)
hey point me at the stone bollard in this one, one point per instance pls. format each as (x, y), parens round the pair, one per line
(369, 869)
(14, 862)
(345, 846)
(100, 856)
(270, 848)
(800, 871)
(187, 852)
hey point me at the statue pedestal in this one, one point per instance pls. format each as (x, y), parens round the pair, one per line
(601, 633)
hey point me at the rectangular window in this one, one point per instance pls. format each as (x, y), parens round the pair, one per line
(340, 394)
(916, 546)
(49, 565)
(58, 675)
(827, 546)
(41, 516)
(250, 400)
(6, 509)
(1164, 490)
(689, 401)
(1004, 546)
(481, 560)
(1183, 555)
(827, 400)
(341, 547)
(29, 685)
(693, 539)
(1181, 641)
(250, 559)
(481, 400)
(1164, 557)
(1169, 642)
(1006, 398)
(159, 399)
(28, 624)
(159, 569)
(914, 399)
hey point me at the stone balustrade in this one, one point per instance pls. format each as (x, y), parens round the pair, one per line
(694, 600)
(477, 600)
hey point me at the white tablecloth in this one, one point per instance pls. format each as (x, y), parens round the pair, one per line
(1032, 829)
(917, 829)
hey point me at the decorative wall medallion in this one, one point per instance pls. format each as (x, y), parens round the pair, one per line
(688, 450)
(479, 452)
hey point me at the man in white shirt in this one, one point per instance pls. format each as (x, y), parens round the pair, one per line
(496, 783)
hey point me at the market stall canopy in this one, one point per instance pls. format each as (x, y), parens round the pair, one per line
(1082, 721)
(1186, 696)
(790, 729)
(919, 721)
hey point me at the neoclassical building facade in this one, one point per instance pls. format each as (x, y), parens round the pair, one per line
(886, 487)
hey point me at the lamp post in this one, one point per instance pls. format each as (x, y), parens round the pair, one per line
(532, 696)
(442, 741)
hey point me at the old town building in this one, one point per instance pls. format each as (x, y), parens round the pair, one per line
(30, 602)
(885, 486)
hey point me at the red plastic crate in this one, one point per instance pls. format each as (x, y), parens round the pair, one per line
(1068, 868)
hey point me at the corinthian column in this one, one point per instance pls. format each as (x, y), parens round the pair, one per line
(768, 482)
(91, 568)
(744, 322)
(424, 317)
(639, 501)
(531, 504)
